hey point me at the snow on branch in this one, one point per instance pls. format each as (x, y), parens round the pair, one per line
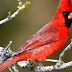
(21, 7)
(7, 53)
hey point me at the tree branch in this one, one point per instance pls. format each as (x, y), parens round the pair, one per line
(53, 67)
(21, 7)
(7, 53)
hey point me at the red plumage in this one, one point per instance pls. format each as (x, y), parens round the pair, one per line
(48, 40)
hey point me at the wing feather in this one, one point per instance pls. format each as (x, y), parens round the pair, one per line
(45, 35)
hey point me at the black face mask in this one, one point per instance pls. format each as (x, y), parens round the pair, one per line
(67, 21)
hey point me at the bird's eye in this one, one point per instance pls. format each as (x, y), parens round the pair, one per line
(64, 13)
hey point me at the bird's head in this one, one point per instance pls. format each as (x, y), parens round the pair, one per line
(63, 13)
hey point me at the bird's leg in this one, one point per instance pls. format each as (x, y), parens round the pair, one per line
(60, 62)
(40, 65)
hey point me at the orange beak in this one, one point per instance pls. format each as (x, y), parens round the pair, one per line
(70, 16)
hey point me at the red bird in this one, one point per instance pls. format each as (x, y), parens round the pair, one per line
(48, 40)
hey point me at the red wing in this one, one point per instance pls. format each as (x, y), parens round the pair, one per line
(45, 35)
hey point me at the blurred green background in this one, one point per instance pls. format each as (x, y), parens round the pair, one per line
(20, 28)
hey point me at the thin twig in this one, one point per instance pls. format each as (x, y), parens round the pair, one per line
(21, 7)
(52, 60)
(65, 50)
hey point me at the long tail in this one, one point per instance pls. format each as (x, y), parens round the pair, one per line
(7, 63)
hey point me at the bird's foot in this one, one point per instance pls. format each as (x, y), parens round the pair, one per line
(26, 64)
(40, 65)
(30, 65)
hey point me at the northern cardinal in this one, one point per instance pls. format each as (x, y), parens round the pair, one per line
(48, 40)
